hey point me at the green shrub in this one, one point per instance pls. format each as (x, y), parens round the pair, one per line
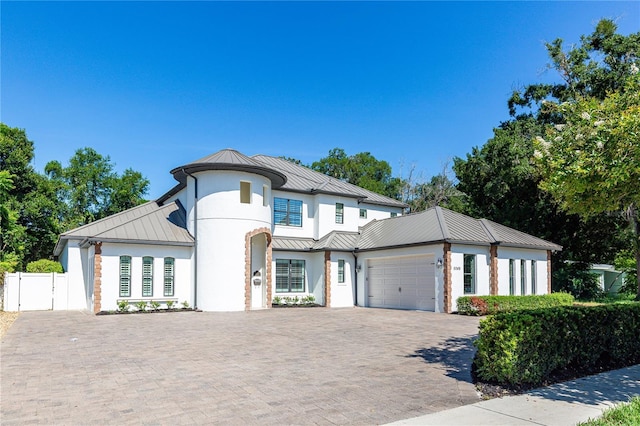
(170, 304)
(527, 347)
(154, 305)
(141, 305)
(123, 306)
(489, 305)
(44, 265)
(576, 278)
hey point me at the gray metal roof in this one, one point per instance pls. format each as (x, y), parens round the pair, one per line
(229, 159)
(442, 225)
(148, 223)
(337, 240)
(303, 179)
(292, 243)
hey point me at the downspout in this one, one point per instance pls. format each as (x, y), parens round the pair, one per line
(195, 237)
(355, 284)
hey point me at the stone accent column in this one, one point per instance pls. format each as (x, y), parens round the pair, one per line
(248, 274)
(493, 270)
(548, 271)
(97, 278)
(446, 265)
(327, 279)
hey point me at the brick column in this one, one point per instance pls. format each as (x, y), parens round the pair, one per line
(327, 279)
(493, 270)
(548, 271)
(97, 278)
(248, 274)
(446, 264)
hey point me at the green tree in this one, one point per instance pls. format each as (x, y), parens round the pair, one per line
(591, 162)
(90, 189)
(361, 169)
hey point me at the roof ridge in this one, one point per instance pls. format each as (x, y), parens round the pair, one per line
(108, 217)
(164, 206)
(442, 222)
(489, 229)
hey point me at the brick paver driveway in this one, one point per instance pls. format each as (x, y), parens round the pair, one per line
(278, 366)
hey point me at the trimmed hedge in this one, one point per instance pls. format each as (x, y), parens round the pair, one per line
(527, 347)
(489, 305)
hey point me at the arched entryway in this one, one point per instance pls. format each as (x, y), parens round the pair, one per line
(258, 269)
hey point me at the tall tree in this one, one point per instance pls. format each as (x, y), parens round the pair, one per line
(591, 162)
(361, 169)
(90, 189)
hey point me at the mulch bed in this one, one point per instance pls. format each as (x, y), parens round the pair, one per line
(308, 305)
(150, 311)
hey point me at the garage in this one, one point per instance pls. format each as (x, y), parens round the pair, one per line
(402, 283)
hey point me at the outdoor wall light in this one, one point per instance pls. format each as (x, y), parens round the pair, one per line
(439, 262)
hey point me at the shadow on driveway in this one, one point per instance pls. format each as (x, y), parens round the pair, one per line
(455, 354)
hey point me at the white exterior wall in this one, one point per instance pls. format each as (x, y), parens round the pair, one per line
(483, 259)
(183, 289)
(180, 196)
(436, 250)
(75, 262)
(223, 222)
(518, 254)
(314, 274)
(342, 294)
(326, 211)
(375, 212)
(309, 219)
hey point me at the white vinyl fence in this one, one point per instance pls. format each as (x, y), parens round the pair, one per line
(36, 292)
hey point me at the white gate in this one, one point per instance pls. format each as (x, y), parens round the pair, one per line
(36, 292)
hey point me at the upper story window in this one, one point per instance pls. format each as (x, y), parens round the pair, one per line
(339, 213)
(245, 192)
(394, 214)
(287, 212)
(469, 273)
(265, 195)
(125, 276)
(147, 276)
(363, 213)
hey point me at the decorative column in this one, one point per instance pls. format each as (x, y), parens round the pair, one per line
(447, 277)
(97, 278)
(493, 270)
(327, 278)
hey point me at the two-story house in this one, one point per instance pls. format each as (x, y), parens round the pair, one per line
(237, 231)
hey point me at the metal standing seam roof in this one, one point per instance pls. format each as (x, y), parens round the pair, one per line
(292, 243)
(338, 241)
(303, 179)
(148, 223)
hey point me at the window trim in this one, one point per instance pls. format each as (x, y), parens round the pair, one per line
(534, 290)
(126, 277)
(147, 278)
(289, 275)
(287, 213)
(340, 213)
(169, 278)
(265, 195)
(363, 213)
(341, 271)
(523, 277)
(471, 273)
(512, 277)
(245, 192)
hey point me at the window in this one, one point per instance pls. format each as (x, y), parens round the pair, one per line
(245, 192)
(125, 276)
(469, 273)
(287, 212)
(363, 213)
(340, 270)
(339, 213)
(523, 277)
(169, 273)
(265, 195)
(533, 277)
(289, 276)
(147, 276)
(512, 277)
(394, 214)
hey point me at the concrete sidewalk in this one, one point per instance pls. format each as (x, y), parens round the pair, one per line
(558, 405)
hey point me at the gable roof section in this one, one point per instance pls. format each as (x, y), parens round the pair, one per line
(147, 223)
(303, 179)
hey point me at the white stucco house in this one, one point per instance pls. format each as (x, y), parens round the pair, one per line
(237, 231)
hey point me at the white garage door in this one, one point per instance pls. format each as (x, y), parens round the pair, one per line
(402, 283)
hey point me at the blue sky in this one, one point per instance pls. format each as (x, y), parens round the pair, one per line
(155, 85)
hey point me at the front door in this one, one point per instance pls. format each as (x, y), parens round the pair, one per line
(258, 268)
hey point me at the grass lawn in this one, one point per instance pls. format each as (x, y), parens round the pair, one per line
(622, 415)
